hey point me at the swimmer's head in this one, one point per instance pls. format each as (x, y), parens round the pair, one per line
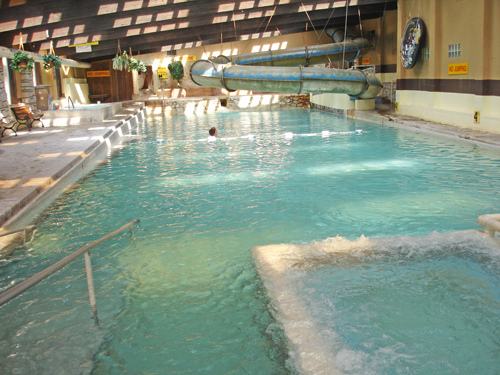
(213, 132)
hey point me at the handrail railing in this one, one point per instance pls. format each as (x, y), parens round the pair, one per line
(491, 222)
(22, 229)
(18, 289)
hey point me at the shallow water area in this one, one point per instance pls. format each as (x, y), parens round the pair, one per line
(183, 295)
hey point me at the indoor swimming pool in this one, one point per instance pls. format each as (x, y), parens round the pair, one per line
(286, 252)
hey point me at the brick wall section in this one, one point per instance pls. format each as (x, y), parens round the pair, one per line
(27, 90)
(341, 112)
(4, 105)
(264, 102)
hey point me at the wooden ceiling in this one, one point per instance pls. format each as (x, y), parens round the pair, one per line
(148, 26)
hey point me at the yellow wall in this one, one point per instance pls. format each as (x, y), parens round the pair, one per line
(472, 24)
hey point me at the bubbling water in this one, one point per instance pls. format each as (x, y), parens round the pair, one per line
(415, 305)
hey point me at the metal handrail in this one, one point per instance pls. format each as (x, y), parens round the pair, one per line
(491, 222)
(18, 289)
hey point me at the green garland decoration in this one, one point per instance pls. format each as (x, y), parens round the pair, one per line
(51, 61)
(22, 62)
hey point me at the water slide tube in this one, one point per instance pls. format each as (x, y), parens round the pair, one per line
(288, 71)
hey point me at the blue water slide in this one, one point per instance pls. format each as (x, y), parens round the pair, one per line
(289, 71)
(304, 56)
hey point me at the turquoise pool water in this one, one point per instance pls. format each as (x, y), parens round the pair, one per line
(184, 296)
(412, 307)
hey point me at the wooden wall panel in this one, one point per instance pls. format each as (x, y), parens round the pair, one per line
(115, 88)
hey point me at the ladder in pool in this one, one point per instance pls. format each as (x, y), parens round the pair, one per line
(18, 289)
(491, 222)
(25, 230)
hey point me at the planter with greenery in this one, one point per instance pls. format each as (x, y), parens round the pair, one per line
(136, 65)
(51, 61)
(121, 61)
(176, 71)
(22, 62)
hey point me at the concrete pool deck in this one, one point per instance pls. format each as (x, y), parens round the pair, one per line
(37, 166)
(387, 116)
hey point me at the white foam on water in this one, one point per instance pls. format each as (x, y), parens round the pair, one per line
(251, 137)
(316, 349)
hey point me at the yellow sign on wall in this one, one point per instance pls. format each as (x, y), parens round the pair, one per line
(461, 68)
(185, 58)
(85, 44)
(365, 61)
(477, 117)
(162, 72)
(98, 73)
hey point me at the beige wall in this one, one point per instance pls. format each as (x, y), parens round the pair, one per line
(385, 42)
(470, 23)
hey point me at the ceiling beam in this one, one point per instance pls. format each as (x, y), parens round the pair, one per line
(153, 25)
(186, 41)
(72, 31)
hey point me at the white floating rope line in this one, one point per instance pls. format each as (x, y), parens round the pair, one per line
(324, 134)
(208, 139)
(287, 135)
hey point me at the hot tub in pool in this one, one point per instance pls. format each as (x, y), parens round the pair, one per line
(405, 305)
(82, 113)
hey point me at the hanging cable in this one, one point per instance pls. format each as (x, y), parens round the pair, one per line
(345, 31)
(270, 18)
(320, 35)
(317, 36)
(326, 24)
(307, 14)
(235, 34)
(303, 35)
(250, 37)
(382, 25)
(360, 23)
(409, 14)
(199, 38)
(21, 45)
(221, 47)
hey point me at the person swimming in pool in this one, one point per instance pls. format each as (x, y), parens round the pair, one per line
(212, 135)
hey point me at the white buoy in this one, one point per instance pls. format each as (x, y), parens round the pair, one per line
(211, 138)
(325, 133)
(288, 135)
(160, 141)
(358, 131)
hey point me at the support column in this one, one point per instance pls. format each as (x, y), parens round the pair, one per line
(28, 90)
(4, 104)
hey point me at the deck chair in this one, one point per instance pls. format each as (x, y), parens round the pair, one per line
(24, 117)
(6, 122)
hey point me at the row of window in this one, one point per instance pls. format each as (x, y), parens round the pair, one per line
(454, 50)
